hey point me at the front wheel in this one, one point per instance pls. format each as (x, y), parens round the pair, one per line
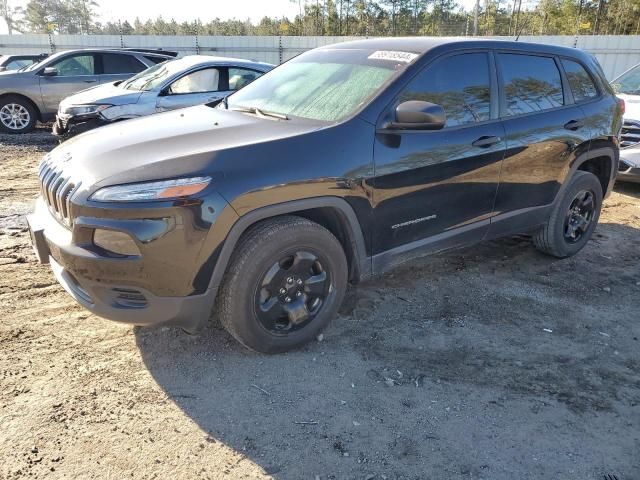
(573, 219)
(17, 115)
(283, 285)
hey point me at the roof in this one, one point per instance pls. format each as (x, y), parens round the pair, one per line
(421, 45)
(192, 60)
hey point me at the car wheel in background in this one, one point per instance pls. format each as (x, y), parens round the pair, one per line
(283, 285)
(573, 219)
(17, 115)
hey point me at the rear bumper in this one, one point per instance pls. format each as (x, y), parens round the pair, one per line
(112, 288)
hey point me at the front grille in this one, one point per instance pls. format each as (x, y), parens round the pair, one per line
(56, 189)
(630, 134)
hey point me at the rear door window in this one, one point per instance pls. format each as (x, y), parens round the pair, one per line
(530, 83)
(114, 63)
(460, 84)
(240, 77)
(580, 81)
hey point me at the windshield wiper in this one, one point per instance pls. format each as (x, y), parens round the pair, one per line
(260, 113)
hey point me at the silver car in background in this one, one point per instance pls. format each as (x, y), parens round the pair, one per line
(627, 87)
(188, 81)
(34, 93)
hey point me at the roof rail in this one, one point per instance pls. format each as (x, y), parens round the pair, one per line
(160, 51)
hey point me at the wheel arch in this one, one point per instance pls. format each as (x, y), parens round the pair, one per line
(333, 213)
(602, 162)
(25, 97)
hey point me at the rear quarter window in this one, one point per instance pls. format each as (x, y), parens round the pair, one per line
(580, 81)
(530, 83)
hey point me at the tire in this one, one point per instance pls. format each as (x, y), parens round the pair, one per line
(556, 237)
(17, 115)
(284, 284)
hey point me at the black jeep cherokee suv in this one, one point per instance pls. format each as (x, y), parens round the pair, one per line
(335, 166)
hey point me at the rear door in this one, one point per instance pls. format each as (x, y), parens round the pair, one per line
(545, 131)
(435, 185)
(117, 66)
(194, 88)
(75, 72)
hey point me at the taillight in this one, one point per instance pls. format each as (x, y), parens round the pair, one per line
(622, 106)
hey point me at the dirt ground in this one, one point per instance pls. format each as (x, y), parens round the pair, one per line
(494, 362)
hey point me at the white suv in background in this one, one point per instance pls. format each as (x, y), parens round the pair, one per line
(627, 87)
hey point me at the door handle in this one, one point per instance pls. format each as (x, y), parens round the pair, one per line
(486, 141)
(574, 125)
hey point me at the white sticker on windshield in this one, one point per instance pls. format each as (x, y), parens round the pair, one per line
(405, 57)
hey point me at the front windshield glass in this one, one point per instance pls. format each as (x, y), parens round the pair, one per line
(628, 82)
(154, 76)
(325, 85)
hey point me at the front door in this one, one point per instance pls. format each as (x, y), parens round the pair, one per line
(436, 188)
(74, 73)
(194, 88)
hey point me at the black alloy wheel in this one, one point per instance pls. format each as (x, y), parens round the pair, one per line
(292, 292)
(579, 216)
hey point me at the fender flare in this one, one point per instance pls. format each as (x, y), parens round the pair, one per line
(361, 261)
(597, 152)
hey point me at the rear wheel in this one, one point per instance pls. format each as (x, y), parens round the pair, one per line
(573, 219)
(284, 284)
(17, 115)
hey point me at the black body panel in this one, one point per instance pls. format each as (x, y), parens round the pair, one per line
(388, 195)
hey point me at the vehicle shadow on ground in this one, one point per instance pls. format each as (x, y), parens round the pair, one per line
(426, 367)
(628, 188)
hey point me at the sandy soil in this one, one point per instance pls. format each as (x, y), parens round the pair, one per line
(494, 362)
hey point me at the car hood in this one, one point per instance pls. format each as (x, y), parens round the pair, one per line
(13, 78)
(632, 106)
(171, 144)
(108, 93)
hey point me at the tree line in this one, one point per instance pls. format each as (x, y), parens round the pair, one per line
(352, 17)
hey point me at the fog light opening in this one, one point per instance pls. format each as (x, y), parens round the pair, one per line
(114, 242)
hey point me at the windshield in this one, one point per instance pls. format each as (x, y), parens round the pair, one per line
(154, 76)
(325, 85)
(628, 82)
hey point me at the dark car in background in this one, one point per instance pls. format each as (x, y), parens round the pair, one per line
(180, 83)
(9, 63)
(337, 165)
(34, 92)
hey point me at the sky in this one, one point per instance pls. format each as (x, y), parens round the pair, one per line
(181, 10)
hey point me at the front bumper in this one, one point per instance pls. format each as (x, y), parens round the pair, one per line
(629, 166)
(66, 127)
(118, 289)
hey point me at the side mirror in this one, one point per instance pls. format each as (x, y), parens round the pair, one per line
(49, 72)
(418, 115)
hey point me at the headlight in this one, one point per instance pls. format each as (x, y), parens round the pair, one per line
(74, 110)
(162, 190)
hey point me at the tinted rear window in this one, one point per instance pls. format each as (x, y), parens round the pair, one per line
(156, 60)
(531, 83)
(113, 63)
(579, 80)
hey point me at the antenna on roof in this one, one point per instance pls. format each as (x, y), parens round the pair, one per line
(525, 22)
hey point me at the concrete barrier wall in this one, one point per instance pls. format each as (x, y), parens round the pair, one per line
(616, 53)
